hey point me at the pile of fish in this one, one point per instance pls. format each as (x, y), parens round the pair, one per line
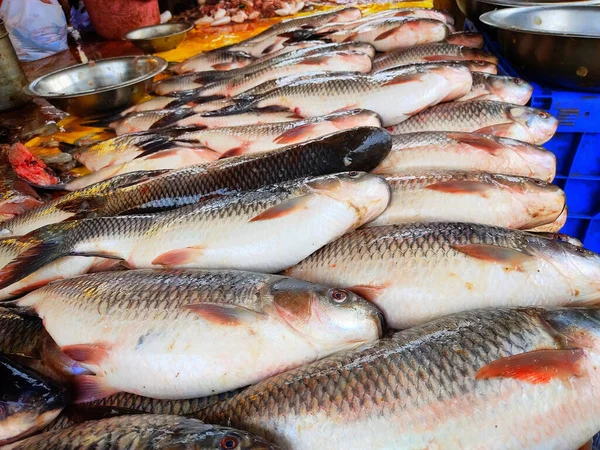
(339, 233)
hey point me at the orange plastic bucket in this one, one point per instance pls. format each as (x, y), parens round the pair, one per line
(113, 18)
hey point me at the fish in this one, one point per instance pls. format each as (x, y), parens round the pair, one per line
(466, 39)
(553, 227)
(177, 156)
(243, 140)
(148, 431)
(340, 61)
(179, 85)
(476, 197)
(467, 152)
(219, 59)
(135, 341)
(16, 195)
(24, 339)
(430, 53)
(414, 91)
(499, 88)
(394, 33)
(72, 205)
(530, 125)
(311, 211)
(28, 400)
(416, 272)
(512, 377)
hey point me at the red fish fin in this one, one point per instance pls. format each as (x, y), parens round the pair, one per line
(163, 154)
(460, 187)
(91, 387)
(221, 66)
(403, 80)
(538, 366)
(179, 256)
(387, 34)
(87, 353)
(589, 445)
(350, 37)
(223, 313)
(283, 209)
(477, 141)
(315, 61)
(368, 292)
(513, 259)
(296, 134)
(237, 151)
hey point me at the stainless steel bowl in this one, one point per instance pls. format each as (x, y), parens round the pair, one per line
(556, 45)
(473, 9)
(99, 87)
(159, 38)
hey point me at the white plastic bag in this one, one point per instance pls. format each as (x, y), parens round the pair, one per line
(37, 28)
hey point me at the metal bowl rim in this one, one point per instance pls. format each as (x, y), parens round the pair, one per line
(188, 27)
(490, 20)
(526, 4)
(162, 65)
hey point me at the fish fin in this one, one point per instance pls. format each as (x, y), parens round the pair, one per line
(387, 34)
(502, 130)
(89, 388)
(164, 153)
(368, 292)
(224, 313)
(65, 147)
(477, 141)
(589, 445)
(271, 108)
(315, 60)
(460, 187)
(178, 257)
(236, 151)
(514, 259)
(538, 366)
(210, 76)
(81, 206)
(351, 37)
(87, 353)
(296, 134)
(283, 209)
(175, 116)
(160, 143)
(269, 49)
(403, 80)
(221, 66)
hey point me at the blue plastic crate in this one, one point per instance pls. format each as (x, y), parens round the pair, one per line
(577, 149)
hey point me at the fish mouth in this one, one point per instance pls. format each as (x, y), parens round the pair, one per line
(25, 424)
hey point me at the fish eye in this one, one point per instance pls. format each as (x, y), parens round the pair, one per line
(539, 182)
(518, 81)
(353, 174)
(338, 296)
(229, 442)
(543, 114)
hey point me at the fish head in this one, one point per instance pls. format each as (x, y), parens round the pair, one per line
(540, 161)
(28, 401)
(577, 327)
(329, 318)
(369, 195)
(482, 66)
(539, 124)
(362, 148)
(346, 15)
(510, 89)
(579, 266)
(545, 199)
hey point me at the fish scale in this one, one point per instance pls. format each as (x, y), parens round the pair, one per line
(20, 335)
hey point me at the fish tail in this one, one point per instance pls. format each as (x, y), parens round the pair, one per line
(45, 246)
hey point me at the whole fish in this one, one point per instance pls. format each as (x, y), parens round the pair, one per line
(171, 334)
(477, 197)
(28, 400)
(70, 206)
(24, 339)
(268, 229)
(553, 227)
(177, 156)
(498, 88)
(218, 59)
(339, 61)
(467, 152)
(394, 33)
(356, 149)
(413, 91)
(430, 53)
(146, 431)
(490, 379)
(192, 81)
(416, 272)
(486, 117)
(234, 141)
(466, 39)
(16, 195)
